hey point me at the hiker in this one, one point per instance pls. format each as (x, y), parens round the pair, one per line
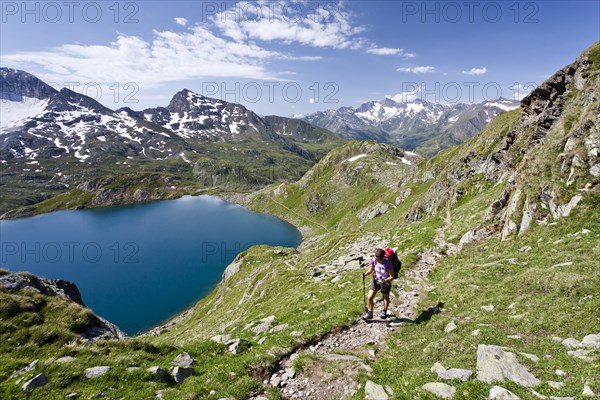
(382, 270)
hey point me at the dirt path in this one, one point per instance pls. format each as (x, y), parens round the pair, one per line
(334, 361)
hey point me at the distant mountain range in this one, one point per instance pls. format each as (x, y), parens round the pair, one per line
(417, 125)
(52, 139)
(38, 120)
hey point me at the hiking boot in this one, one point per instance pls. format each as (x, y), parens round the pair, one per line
(383, 315)
(367, 315)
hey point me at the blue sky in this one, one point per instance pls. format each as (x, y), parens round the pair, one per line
(288, 58)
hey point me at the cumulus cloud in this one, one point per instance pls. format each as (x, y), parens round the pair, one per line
(475, 71)
(403, 97)
(388, 51)
(169, 56)
(417, 70)
(303, 23)
(181, 21)
(522, 90)
(227, 45)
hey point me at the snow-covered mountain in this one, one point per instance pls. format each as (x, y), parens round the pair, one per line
(418, 124)
(191, 115)
(39, 121)
(54, 140)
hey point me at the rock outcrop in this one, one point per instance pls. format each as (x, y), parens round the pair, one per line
(97, 327)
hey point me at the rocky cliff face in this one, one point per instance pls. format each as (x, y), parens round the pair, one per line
(543, 154)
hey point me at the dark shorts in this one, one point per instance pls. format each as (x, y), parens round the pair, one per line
(385, 287)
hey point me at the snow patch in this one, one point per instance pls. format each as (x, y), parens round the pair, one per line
(416, 107)
(355, 158)
(185, 159)
(14, 112)
(502, 106)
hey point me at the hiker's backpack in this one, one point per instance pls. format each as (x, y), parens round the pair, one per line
(393, 257)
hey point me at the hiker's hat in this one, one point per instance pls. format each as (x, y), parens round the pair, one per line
(388, 252)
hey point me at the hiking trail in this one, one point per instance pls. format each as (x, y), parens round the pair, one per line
(334, 360)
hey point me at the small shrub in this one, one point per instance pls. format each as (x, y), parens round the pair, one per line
(43, 337)
(9, 307)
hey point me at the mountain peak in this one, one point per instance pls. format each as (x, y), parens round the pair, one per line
(16, 84)
(68, 100)
(186, 100)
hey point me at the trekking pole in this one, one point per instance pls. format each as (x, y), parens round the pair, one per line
(364, 296)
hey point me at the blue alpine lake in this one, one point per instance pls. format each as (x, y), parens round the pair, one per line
(139, 265)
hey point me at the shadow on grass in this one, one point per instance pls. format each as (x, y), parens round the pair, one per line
(425, 315)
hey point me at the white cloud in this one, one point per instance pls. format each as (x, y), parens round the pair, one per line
(169, 56)
(520, 90)
(181, 21)
(418, 70)
(387, 51)
(475, 71)
(322, 27)
(311, 100)
(403, 97)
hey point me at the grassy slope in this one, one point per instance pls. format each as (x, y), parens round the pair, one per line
(242, 166)
(533, 298)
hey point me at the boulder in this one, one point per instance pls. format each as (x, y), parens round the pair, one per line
(264, 325)
(160, 373)
(372, 212)
(95, 372)
(275, 381)
(450, 327)
(440, 389)
(571, 343)
(35, 382)
(290, 373)
(221, 338)
(279, 328)
(231, 270)
(532, 357)
(591, 341)
(581, 354)
(495, 364)
(499, 393)
(374, 391)
(587, 391)
(66, 359)
(22, 371)
(183, 360)
(237, 345)
(453, 373)
(181, 373)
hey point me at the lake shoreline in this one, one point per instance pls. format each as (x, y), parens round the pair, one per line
(190, 239)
